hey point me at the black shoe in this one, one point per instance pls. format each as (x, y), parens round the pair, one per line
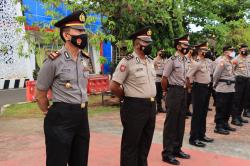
(221, 131)
(246, 113)
(197, 143)
(206, 139)
(171, 160)
(236, 122)
(243, 120)
(182, 155)
(229, 128)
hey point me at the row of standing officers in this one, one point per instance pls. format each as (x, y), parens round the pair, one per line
(196, 72)
(66, 125)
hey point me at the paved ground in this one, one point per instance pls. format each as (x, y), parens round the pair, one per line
(12, 96)
(22, 143)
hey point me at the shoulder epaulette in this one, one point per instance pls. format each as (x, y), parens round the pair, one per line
(129, 56)
(173, 57)
(85, 54)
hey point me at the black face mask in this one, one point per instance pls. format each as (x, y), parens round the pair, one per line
(147, 50)
(80, 41)
(244, 52)
(184, 50)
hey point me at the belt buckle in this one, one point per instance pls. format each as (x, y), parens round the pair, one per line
(152, 99)
(83, 105)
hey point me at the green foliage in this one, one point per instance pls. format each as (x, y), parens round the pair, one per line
(102, 60)
(223, 21)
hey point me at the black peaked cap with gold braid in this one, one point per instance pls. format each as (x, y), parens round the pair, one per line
(75, 20)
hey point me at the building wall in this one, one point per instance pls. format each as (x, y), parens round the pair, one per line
(11, 65)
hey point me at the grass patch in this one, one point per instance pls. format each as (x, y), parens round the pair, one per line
(31, 110)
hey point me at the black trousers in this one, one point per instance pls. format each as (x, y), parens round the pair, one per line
(189, 100)
(200, 108)
(246, 104)
(66, 129)
(174, 124)
(138, 120)
(223, 108)
(158, 96)
(240, 96)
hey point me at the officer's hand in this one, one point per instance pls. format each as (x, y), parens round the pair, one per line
(164, 94)
(54, 55)
(45, 112)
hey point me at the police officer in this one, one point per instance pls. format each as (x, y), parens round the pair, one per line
(159, 65)
(242, 73)
(66, 124)
(199, 71)
(174, 76)
(210, 57)
(134, 82)
(191, 56)
(224, 84)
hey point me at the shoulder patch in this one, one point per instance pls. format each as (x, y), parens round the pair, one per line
(129, 56)
(173, 57)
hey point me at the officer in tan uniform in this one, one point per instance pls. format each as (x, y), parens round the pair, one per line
(159, 65)
(199, 71)
(174, 77)
(191, 56)
(242, 73)
(224, 84)
(66, 124)
(134, 83)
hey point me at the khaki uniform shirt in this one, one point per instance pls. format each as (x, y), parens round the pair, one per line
(67, 78)
(209, 63)
(242, 68)
(176, 69)
(224, 70)
(136, 77)
(199, 71)
(159, 66)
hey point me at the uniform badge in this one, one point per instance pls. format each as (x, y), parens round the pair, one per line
(66, 54)
(137, 60)
(68, 85)
(122, 68)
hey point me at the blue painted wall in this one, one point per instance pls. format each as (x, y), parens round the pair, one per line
(36, 13)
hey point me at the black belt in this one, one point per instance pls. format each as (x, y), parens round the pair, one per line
(136, 99)
(229, 82)
(176, 86)
(200, 84)
(241, 77)
(71, 106)
(158, 75)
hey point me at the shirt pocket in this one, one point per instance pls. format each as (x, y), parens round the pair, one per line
(140, 77)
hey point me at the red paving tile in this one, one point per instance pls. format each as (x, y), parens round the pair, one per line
(104, 151)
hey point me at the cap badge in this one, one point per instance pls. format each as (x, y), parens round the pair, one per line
(149, 32)
(82, 17)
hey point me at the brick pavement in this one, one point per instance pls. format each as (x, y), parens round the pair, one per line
(22, 143)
